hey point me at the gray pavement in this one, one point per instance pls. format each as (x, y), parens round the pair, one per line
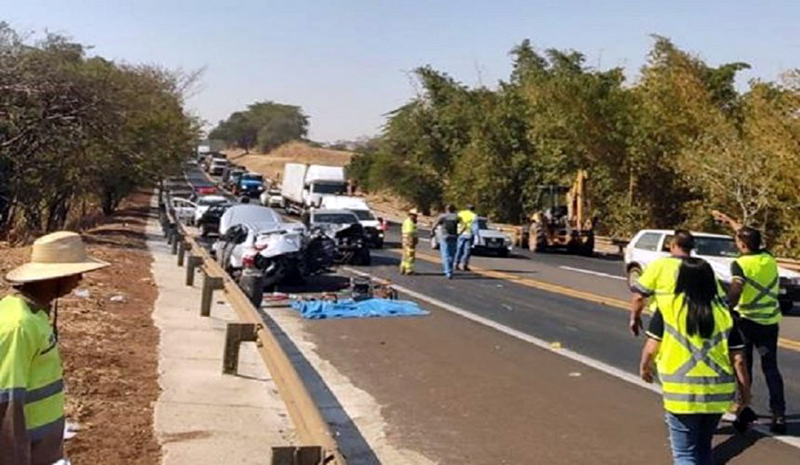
(203, 416)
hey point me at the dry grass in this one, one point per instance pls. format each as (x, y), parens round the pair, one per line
(271, 164)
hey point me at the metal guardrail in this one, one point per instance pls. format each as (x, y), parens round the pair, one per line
(318, 445)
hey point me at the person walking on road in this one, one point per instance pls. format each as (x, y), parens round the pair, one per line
(409, 239)
(31, 383)
(698, 354)
(448, 224)
(467, 233)
(659, 278)
(753, 294)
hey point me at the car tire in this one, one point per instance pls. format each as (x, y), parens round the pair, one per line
(503, 253)
(379, 244)
(634, 272)
(253, 288)
(786, 305)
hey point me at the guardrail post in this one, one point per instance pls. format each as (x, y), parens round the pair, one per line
(235, 334)
(181, 251)
(191, 265)
(176, 238)
(297, 455)
(210, 284)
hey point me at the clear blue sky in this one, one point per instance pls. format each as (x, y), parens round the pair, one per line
(346, 62)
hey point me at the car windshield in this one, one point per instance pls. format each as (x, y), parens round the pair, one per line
(364, 215)
(252, 177)
(332, 188)
(715, 247)
(335, 218)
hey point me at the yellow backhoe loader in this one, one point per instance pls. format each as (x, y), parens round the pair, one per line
(564, 221)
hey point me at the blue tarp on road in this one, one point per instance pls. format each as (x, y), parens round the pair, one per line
(321, 310)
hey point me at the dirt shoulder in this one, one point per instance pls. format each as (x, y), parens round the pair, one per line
(109, 343)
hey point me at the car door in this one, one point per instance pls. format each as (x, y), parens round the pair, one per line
(184, 209)
(648, 247)
(241, 240)
(226, 244)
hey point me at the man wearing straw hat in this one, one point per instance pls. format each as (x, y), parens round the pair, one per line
(31, 385)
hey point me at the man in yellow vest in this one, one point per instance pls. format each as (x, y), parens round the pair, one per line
(697, 350)
(410, 238)
(467, 232)
(31, 384)
(754, 295)
(658, 279)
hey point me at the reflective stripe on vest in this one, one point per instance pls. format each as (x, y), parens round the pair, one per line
(759, 299)
(696, 374)
(30, 366)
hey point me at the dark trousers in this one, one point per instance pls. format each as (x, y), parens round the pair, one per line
(764, 338)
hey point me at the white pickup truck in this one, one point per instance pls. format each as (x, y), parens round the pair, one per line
(717, 249)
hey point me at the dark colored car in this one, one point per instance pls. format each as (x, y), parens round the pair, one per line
(209, 222)
(250, 185)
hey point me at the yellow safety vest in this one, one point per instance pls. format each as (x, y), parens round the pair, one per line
(409, 228)
(759, 299)
(696, 374)
(30, 367)
(659, 279)
(467, 217)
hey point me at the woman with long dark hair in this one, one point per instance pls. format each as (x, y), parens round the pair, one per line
(697, 350)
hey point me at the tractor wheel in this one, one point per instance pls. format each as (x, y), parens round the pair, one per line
(537, 238)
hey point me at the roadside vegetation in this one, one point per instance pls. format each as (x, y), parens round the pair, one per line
(263, 125)
(78, 133)
(661, 151)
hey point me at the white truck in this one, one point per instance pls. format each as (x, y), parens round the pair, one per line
(374, 227)
(304, 186)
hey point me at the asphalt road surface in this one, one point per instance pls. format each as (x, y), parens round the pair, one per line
(456, 389)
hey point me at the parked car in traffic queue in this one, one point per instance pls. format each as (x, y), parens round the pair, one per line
(258, 249)
(489, 240)
(343, 227)
(718, 250)
(250, 185)
(374, 227)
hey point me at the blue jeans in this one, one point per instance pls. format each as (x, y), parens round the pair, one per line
(464, 249)
(448, 251)
(690, 436)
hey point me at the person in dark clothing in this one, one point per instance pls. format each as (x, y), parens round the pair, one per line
(448, 224)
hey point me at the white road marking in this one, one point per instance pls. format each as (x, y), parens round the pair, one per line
(557, 349)
(595, 273)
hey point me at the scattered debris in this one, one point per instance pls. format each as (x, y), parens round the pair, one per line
(118, 298)
(82, 293)
(575, 374)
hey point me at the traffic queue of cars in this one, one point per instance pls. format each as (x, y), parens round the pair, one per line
(255, 244)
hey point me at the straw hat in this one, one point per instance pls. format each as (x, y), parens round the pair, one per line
(55, 255)
(413, 211)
